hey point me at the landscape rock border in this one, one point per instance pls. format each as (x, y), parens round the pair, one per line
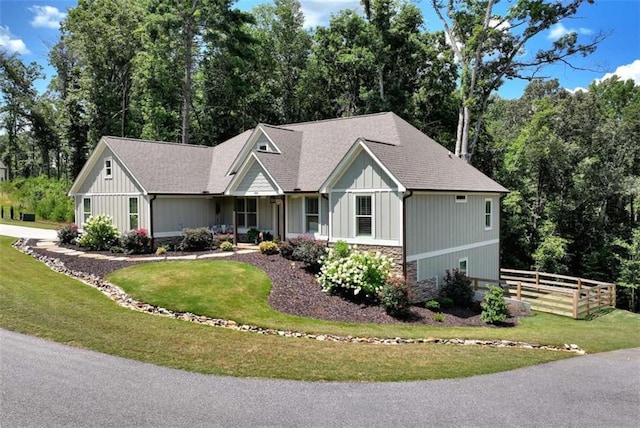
(118, 295)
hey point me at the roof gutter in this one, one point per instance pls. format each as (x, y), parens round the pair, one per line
(407, 195)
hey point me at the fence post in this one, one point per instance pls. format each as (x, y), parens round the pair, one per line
(599, 295)
(519, 291)
(576, 299)
(537, 280)
(613, 295)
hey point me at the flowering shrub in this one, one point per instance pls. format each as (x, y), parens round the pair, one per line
(196, 239)
(226, 246)
(99, 233)
(458, 288)
(136, 241)
(359, 272)
(268, 247)
(68, 234)
(161, 251)
(494, 308)
(394, 297)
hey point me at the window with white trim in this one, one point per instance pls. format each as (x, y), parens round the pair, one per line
(86, 209)
(133, 213)
(108, 168)
(364, 215)
(488, 214)
(247, 212)
(463, 266)
(461, 199)
(311, 214)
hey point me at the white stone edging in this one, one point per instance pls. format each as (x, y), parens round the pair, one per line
(118, 295)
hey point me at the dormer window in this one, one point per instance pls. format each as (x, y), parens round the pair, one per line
(108, 168)
(263, 147)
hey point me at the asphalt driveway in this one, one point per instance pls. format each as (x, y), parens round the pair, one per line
(44, 383)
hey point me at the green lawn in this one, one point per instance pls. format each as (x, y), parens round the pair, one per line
(43, 303)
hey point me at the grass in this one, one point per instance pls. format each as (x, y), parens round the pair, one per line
(40, 224)
(40, 302)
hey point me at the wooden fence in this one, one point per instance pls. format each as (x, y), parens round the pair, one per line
(559, 294)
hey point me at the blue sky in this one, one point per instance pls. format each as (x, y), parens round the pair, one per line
(30, 27)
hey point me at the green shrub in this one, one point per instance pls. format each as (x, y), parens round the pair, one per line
(226, 246)
(341, 249)
(432, 305)
(252, 234)
(68, 234)
(394, 297)
(310, 252)
(458, 288)
(99, 233)
(439, 317)
(116, 249)
(198, 239)
(360, 272)
(445, 302)
(494, 308)
(161, 250)
(136, 241)
(46, 197)
(268, 248)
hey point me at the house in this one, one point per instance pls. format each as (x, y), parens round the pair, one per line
(371, 180)
(4, 175)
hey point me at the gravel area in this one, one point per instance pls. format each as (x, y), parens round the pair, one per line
(295, 291)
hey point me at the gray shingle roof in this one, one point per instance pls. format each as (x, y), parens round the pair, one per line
(309, 153)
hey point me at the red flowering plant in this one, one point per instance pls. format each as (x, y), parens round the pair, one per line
(395, 297)
(68, 234)
(136, 241)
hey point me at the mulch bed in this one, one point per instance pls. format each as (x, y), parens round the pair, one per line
(295, 291)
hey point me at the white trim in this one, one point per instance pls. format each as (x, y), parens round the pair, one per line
(373, 216)
(444, 251)
(111, 194)
(466, 261)
(363, 241)
(244, 228)
(490, 213)
(304, 214)
(108, 170)
(461, 201)
(249, 147)
(137, 198)
(348, 159)
(82, 211)
(330, 214)
(242, 172)
(363, 190)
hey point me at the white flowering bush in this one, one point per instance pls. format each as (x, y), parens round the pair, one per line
(357, 273)
(99, 233)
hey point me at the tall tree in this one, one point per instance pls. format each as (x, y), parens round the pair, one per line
(489, 45)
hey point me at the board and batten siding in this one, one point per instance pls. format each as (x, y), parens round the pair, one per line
(255, 181)
(171, 214)
(441, 231)
(120, 181)
(116, 206)
(295, 206)
(365, 177)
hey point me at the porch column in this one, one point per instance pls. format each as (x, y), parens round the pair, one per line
(235, 223)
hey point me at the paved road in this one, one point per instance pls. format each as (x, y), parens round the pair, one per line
(48, 384)
(27, 232)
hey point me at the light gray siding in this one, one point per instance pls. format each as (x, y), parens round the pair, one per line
(436, 222)
(265, 214)
(171, 215)
(116, 206)
(386, 215)
(482, 262)
(324, 216)
(364, 173)
(256, 181)
(119, 182)
(294, 214)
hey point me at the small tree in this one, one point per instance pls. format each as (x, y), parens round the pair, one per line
(494, 308)
(458, 288)
(629, 278)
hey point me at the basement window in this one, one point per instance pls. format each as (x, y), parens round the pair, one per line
(461, 199)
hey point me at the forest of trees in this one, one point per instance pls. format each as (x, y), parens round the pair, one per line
(201, 71)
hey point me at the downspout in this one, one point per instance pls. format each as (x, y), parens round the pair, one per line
(153, 238)
(407, 195)
(325, 196)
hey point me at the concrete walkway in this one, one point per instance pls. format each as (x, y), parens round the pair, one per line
(27, 232)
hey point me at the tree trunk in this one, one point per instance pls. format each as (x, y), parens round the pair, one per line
(186, 87)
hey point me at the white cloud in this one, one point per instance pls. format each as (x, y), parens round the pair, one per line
(626, 72)
(46, 17)
(11, 44)
(559, 30)
(318, 12)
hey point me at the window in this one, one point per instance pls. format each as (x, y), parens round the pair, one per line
(463, 266)
(312, 214)
(133, 213)
(263, 147)
(364, 216)
(461, 199)
(247, 212)
(488, 216)
(108, 169)
(86, 209)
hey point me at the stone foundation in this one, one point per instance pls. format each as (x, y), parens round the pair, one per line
(395, 253)
(424, 290)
